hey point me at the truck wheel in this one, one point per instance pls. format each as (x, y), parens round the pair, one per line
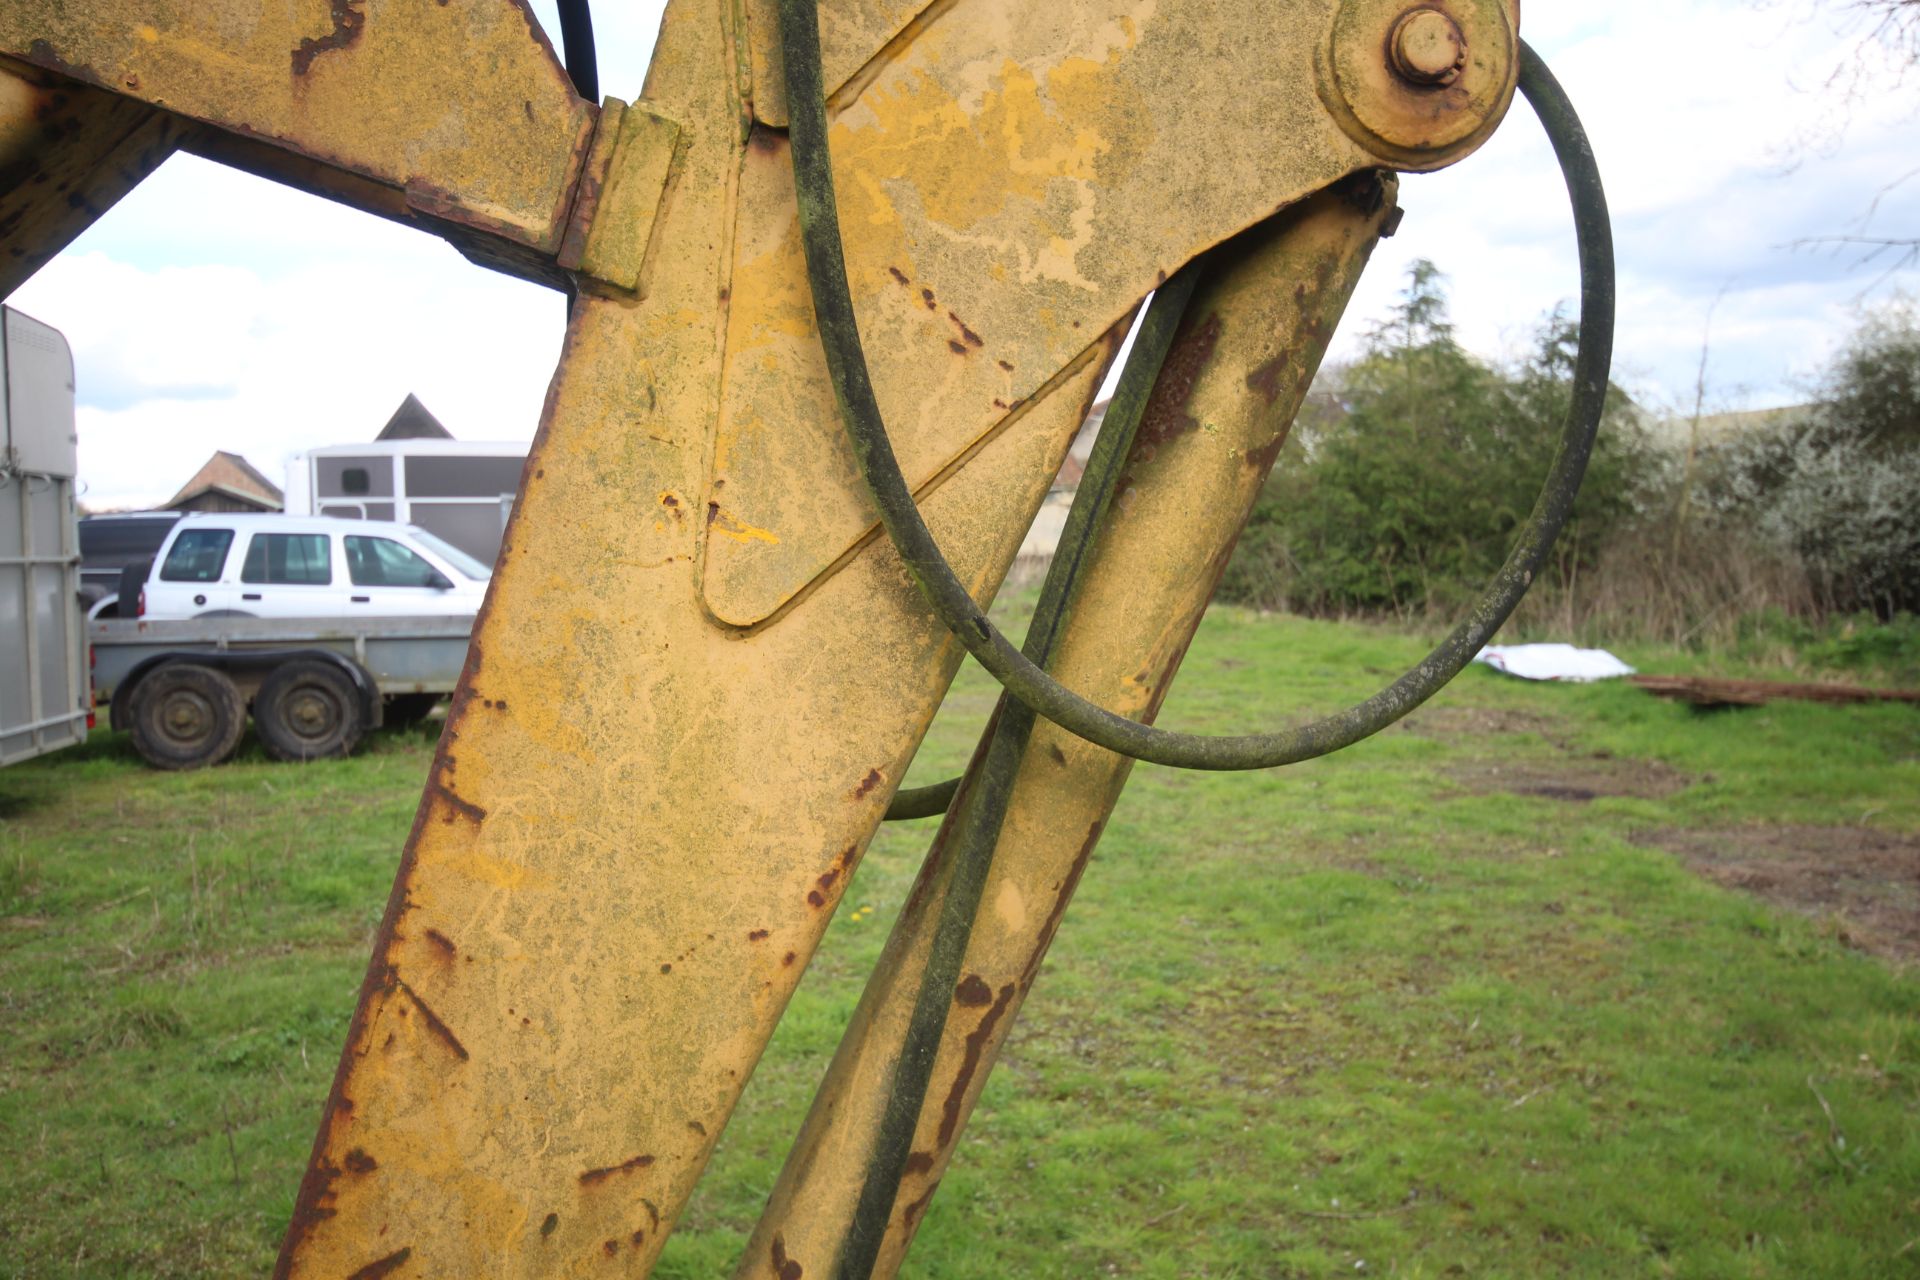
(308, 710)
(404, 710)
(186, 716)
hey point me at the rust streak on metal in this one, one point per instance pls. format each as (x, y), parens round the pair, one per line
(1061, 898)
(1267, 378)
(976, 1045)
(547, 1227)
(44, 54)
(973, 992)
(434, 1024)
(358, 1161)
(911, 1214)
(317, 1206)
(348, 19)
(783, 1266)
(1262, 458)
(463, 808)
(441, 941)
(973, 339)
(868, 783)
(384, 1266)
(1166, 417)
(594, 1177)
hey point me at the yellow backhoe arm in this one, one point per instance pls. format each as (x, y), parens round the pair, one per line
(703, 669)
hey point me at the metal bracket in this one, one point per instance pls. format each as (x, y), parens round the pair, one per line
(610, 229)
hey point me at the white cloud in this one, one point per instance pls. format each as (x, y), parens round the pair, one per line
(172, 363)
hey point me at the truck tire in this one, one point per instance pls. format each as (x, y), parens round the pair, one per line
(405, 710)
(186, 716)
(308, 710)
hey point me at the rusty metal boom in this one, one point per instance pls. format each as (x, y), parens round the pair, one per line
(846, 280)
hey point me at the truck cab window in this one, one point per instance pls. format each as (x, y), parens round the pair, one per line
(197, 555)
(382, 562)
(294, 559)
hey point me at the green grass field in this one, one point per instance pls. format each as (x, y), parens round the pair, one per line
(1471, 999)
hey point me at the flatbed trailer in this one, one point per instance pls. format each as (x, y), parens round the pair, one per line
(185, 688)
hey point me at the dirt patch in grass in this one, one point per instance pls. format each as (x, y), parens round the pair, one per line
(1577, 779)
(1869, 879)
(1457, 721)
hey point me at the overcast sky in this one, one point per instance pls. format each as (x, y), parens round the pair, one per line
(210, 310)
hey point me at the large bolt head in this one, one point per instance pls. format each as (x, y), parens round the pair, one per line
(1419, 83)
(1428, 48)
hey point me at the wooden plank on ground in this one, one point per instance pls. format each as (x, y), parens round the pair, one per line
(1708, 691)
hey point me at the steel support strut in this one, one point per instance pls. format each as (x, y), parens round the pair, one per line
(1254, 332)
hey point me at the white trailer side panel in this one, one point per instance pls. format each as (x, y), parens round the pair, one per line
(44, 691)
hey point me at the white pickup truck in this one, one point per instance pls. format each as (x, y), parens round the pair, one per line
(321, 628)
(260, 565)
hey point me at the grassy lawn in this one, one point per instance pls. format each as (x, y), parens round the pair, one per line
(1501, 992)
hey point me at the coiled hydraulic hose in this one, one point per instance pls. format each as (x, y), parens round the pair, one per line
(1023, 679)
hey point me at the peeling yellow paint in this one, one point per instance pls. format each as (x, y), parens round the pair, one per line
(1011, 906)
(728, 527)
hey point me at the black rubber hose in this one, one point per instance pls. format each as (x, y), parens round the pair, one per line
(840, 338)
(576, 44)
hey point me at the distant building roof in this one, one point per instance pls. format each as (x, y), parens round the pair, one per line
(231, 476)
(411, 421)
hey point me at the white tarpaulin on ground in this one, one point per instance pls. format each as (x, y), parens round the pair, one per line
(1553, 662)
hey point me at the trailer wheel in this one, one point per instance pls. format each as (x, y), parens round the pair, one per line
(186, 716)
(308, 710)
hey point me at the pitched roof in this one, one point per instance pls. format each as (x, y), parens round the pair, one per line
(231, 474)
(411, 421)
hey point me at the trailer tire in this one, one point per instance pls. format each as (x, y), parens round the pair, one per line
(186, 716)
(308, 710)
(405, 710)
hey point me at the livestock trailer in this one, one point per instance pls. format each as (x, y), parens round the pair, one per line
(44, 695)
(461, 490)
